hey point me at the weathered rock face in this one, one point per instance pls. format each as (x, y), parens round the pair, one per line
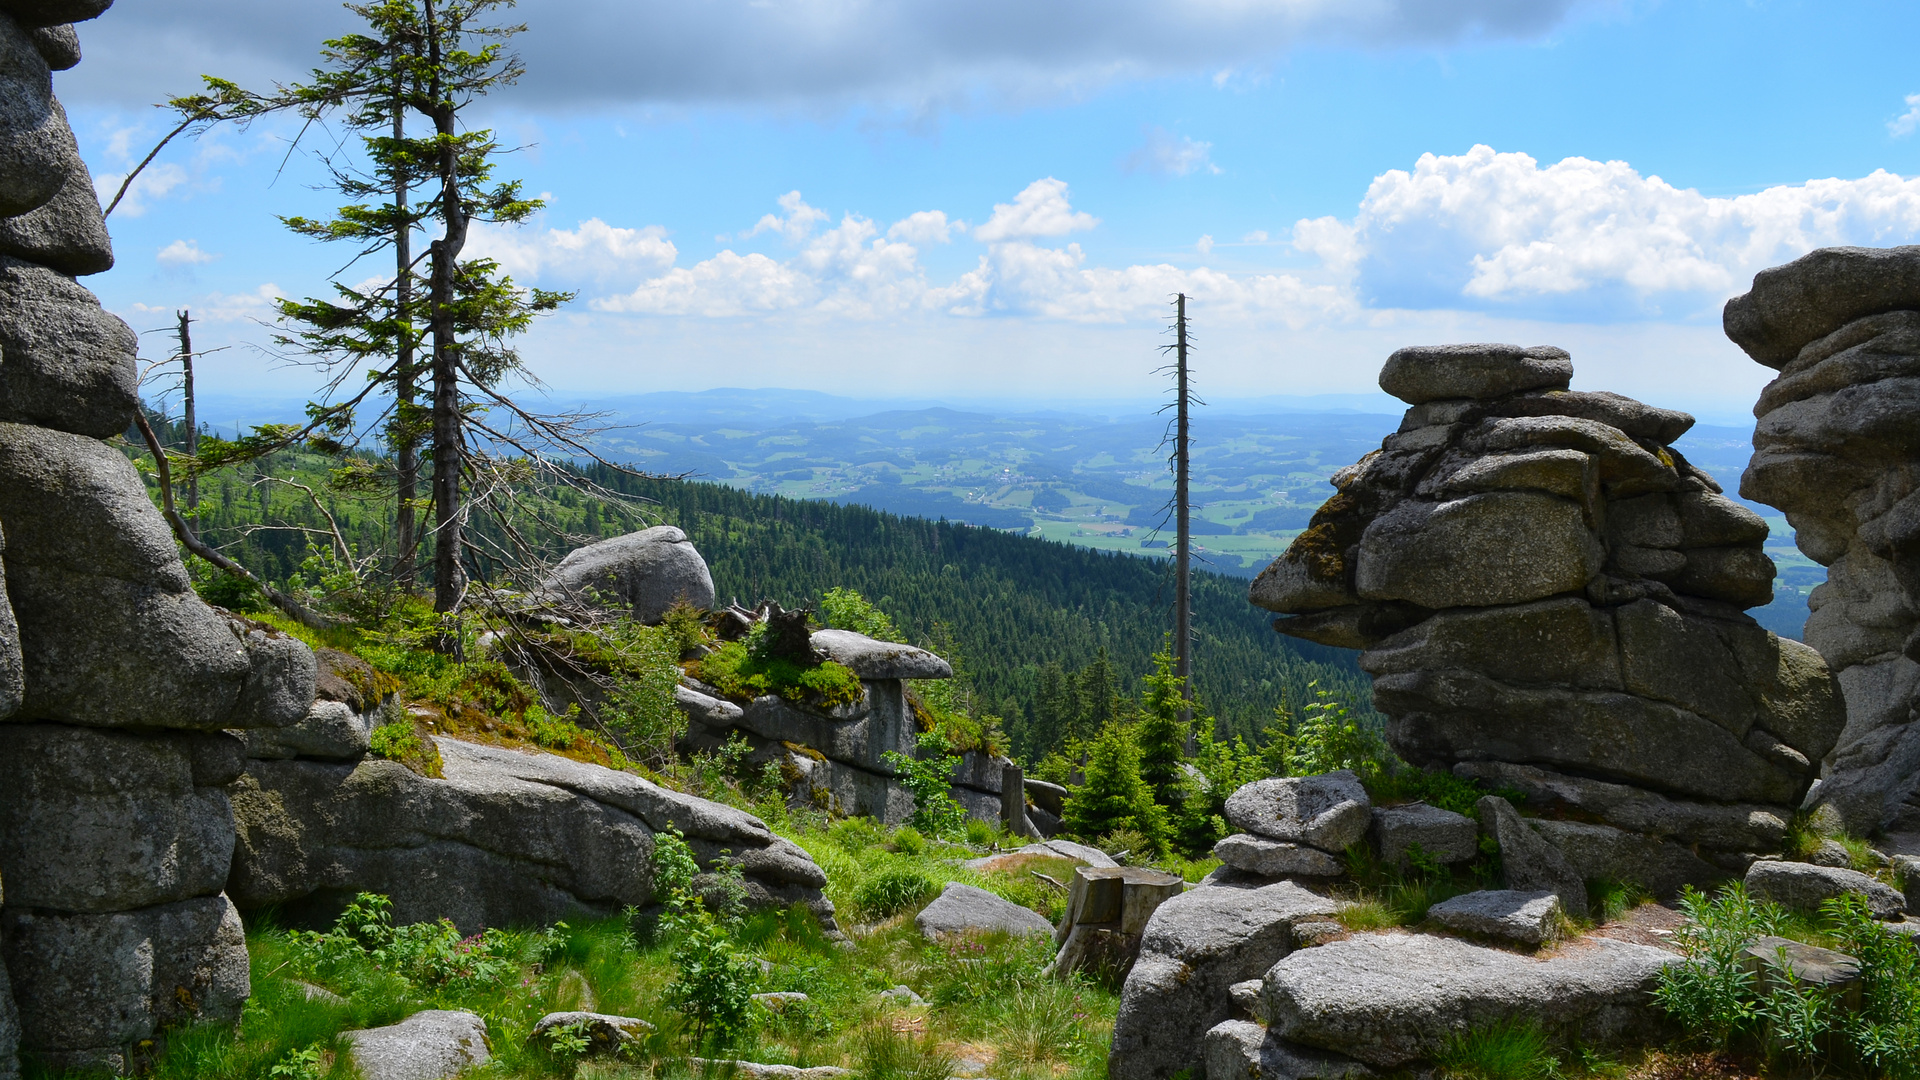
(116, 682)
(507, 838)
(1837, 447)
(1539, 581)
(647, 572)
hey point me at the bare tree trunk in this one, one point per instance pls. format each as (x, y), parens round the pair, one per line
(1183, 552)
(407, 444)
(191, 419)
(448, 452)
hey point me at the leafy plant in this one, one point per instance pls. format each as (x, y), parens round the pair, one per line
(930, 778)
(427, 955)
(737, 672)
(396, 740)
(1329, 738)
(713, 985)
(846, 609)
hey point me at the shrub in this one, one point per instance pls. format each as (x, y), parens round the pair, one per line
(893, 891)
(845, 609)
(427, 956)
(930, 779)
(712, 985)
(1329, 738)
(737, 672)
(396, 740)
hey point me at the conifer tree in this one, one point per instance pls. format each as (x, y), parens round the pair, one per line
(1115, 798)
(1098, 698)
(1163, 731)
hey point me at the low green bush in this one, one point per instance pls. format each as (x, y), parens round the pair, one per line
(892, 891)
(1515, 1050)
(737, 673)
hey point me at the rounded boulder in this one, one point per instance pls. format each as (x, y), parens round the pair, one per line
(648, 571)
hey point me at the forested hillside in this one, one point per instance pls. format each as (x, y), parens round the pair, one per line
(1009, 604)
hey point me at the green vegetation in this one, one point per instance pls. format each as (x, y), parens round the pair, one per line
(737, 671)
(927, 773)
(688, 972)
(1511, 1051)
(1722, 999)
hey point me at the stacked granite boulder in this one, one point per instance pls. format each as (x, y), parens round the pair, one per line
(117, 684)
(1550, 598)
(1837, 447)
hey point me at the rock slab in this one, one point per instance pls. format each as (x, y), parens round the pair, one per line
(1329, 812)
(1529, 918)
(965, 909)
(1804, 887)
(437, 1044)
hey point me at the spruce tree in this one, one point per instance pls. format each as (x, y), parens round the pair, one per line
(1163, 731)
(1115, 798)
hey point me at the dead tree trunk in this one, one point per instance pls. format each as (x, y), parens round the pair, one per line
(1183, 552)
(190, 419)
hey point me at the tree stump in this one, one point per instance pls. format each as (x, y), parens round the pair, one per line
(1107, 911)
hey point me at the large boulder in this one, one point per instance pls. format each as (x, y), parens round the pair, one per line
(1393, 999)
(1834, 448)
(92, 986)
(1538, 580)
(1805, 886)
(506, 837)
(965, 909)
(94, 820)
(67, 232)
(111, 634)
(1196, 946)
(36, 147)
(70, 364)
(1329, 812)
(644, 573)
(871, 659)
(1239, 1050)
(438, 1044)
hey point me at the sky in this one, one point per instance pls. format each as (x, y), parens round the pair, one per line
(996, 200)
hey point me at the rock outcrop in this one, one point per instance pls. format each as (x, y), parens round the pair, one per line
(506, 838)
(117, 685)
(1541, 583)
(1837, 449)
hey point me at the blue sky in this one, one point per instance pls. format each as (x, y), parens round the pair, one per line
(992, 200)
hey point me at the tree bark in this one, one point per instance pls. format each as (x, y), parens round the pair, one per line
(449, 579)
(406, 448)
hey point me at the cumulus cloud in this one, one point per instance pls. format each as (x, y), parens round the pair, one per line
(1040, 210)
(1164, 154)
(184, 253)
(1204, 245)
(154, 183)
(925, 227)
(1588, 238)
(799, 221)
(591, 250)
(910, 52)
(1903, 125)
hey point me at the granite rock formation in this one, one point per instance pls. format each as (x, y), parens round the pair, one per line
(117, 685)
(1837, 447)
(1550, 596)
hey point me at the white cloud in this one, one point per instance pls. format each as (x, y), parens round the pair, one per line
(1164, 154)
(1204, 245)
(591, 250)
(1040, 210)
(798, 223)
(154, 182)
(1904, 125)
(925, 227)
(1589, 238)
(1257, 236)
(184, 253)
(249, 307)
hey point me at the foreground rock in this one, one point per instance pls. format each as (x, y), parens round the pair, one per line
(1328, 812)
(1804, 887)
(604, 1032)
(642, 574)
(433, 1045)
(1835, 449)
(1196, 946)
(507, 837)
(1529, 918)
(964, 909)
(1538, 580)
(1393, 999)
(1238, 1050)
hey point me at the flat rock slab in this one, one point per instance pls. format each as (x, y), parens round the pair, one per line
(753, 1070)
(1328, 812)
(1527, 860)
(605, 1032)
(1196, 946)
(1275, 858)
(964, 909)
(871, 659)
(1238, 1050)
(1050, 849)
(1391, 999)
(1526, 917)
(1781, 960)
(1804, 886)
(1423, 373)
(432, 1045)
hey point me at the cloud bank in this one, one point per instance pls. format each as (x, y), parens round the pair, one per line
(1488, 232)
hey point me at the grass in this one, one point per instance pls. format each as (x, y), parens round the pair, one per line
(986, 1000)
(1515, 1050)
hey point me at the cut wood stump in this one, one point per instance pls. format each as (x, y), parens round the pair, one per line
(1107, 911)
